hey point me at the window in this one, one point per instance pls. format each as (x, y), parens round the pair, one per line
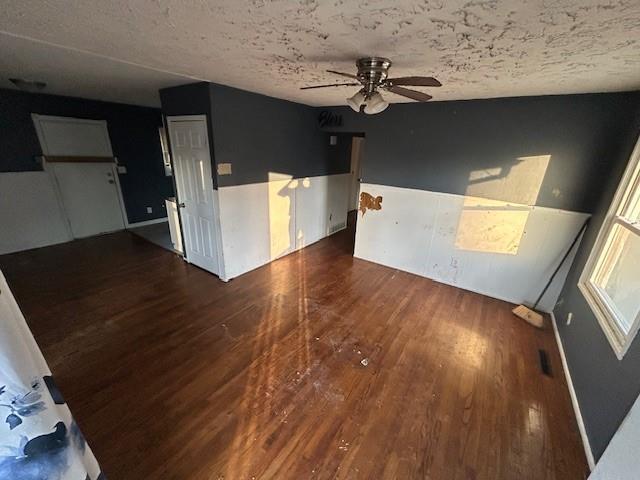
(610, 281)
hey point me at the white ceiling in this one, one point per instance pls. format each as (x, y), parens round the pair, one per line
(78, 74)
(125, 50)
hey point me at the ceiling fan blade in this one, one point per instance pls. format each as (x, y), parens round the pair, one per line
(412, 94)
(415, 81)
(332, 85)
(343, 74)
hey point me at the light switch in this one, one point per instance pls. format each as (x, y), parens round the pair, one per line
(224, 169)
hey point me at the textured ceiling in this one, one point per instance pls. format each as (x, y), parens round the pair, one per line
(78, 74)
(476, 48)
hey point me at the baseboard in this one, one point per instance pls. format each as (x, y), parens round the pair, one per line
(147, 222)
(574, 398)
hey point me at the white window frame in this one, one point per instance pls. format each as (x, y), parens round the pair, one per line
(604, 311)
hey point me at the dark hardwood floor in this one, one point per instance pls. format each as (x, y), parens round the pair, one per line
(316, 366)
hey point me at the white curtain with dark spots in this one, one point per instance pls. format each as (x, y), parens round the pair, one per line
(38, 437)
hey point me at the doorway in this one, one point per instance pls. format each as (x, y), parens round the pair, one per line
(356, 158)
(357, 144)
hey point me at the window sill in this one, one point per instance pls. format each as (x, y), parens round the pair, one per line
(619, 346)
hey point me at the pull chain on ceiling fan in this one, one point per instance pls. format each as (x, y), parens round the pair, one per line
(373, 76)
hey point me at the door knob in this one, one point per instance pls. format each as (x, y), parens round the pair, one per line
(111, 181)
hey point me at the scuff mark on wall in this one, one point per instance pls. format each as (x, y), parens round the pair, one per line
(369, 202)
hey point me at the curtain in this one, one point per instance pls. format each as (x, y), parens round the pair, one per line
(38, 437)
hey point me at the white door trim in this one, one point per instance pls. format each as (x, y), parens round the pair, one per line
(37, 118)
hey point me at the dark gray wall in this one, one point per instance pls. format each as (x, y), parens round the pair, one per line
(606, 387)
(259, 135)
(190, 99)
(435, 146)
(134, 138)
(589, 137)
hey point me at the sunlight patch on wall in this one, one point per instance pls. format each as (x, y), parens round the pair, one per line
(300, 238)
(516, 182)
(281, 201)
(491, 226)
(497, 205)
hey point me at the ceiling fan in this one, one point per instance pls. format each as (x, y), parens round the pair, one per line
(372, 76)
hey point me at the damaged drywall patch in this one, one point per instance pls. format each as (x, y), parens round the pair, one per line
(369, 202)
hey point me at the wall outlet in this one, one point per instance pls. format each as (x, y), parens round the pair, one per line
(569, 317)
(149, 209)
(224, 169)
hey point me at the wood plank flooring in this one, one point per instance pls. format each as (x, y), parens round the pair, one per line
(317, 366)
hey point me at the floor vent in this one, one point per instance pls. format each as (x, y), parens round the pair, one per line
(545, 364)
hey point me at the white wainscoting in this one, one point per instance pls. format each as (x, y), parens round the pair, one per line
(260, 222)
(30, 214)
(500, 249)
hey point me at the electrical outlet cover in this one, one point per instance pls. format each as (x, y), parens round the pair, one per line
(224, 169)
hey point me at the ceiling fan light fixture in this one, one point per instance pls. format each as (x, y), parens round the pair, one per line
(356, 101)
(375, 104)
(373, 75)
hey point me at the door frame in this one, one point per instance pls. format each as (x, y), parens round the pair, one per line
(36, 118)
(173, 119)
(356, 176)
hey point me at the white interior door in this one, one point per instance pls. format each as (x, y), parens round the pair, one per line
(192, 170)
(88, 192)
(89, 196)
(74, 137)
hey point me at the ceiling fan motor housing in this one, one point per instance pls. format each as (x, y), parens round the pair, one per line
(372, 72)
(372, 76)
